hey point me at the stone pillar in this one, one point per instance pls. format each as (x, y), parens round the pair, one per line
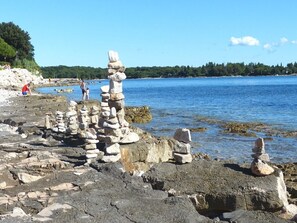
(259, 167)
(182, 150)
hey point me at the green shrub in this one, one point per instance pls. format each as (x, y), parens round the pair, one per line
(30, 65)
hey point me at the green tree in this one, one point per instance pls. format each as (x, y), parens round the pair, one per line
(17, 38)
(6, 51)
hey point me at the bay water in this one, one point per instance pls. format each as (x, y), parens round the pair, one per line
(188, 102)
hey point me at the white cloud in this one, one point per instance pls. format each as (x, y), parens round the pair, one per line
(284, 40)
(244, 41)
(294, 41)
(267, 46)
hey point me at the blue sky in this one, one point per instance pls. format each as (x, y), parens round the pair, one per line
(157, 32)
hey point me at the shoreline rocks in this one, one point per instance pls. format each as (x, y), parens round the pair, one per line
(49, 181)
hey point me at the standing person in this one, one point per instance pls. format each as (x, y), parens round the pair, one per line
(83, 89)
(26, 89)
(88, 94)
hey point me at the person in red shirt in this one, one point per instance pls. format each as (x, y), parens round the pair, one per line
(26, 89)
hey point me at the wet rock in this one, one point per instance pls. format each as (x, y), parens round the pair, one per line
(138, 114)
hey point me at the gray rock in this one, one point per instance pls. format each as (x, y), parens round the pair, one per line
(180, 147)
(213, 186)
(183, 135)
(182, 158)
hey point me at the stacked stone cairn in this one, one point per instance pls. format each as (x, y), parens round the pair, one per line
(71, 116)
(84, 118)
(105, 111)
(94, 117)
(182, 149)
(259, 167)
(91, 141)
(60, 125)
(116, 128)
(89, 134)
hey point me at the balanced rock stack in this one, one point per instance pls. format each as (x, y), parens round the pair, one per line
(182, 150)
(116, 99)
(113, 135)
(116, 75)
(94, 117)
(116, 128)
(84, 118)
(105, 111)
(259, 166)
(90, 138)
(60, 125)
(89, 135)
(71, 116)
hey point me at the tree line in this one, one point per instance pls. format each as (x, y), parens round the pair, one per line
(207, 70)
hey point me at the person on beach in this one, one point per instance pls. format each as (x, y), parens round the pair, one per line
(83, 89)
(26, 89)
(88, 94)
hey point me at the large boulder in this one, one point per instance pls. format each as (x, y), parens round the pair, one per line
(219, 187)
(139, 156)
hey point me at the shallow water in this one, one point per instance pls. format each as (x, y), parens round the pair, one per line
(178, 103)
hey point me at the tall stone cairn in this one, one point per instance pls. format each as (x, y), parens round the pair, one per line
(259, 167)
(116, 128)
(182, 149)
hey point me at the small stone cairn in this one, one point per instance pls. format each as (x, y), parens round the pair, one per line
(94, 117)
(182, 150)
(259, 167)
(71, 116)
(60, 125)
(89, 135)
(84, 118)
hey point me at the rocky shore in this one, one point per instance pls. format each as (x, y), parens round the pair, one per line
(44, 177)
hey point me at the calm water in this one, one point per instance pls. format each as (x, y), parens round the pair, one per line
(177, 103)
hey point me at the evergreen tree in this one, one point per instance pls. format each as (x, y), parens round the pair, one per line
(6, 51)
(18, 39)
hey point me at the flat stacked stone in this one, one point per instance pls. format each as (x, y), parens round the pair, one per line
(182, 150)
(60, 125)
(259, 167)
(71, 116)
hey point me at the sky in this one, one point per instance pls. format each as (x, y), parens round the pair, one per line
(157, 32)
